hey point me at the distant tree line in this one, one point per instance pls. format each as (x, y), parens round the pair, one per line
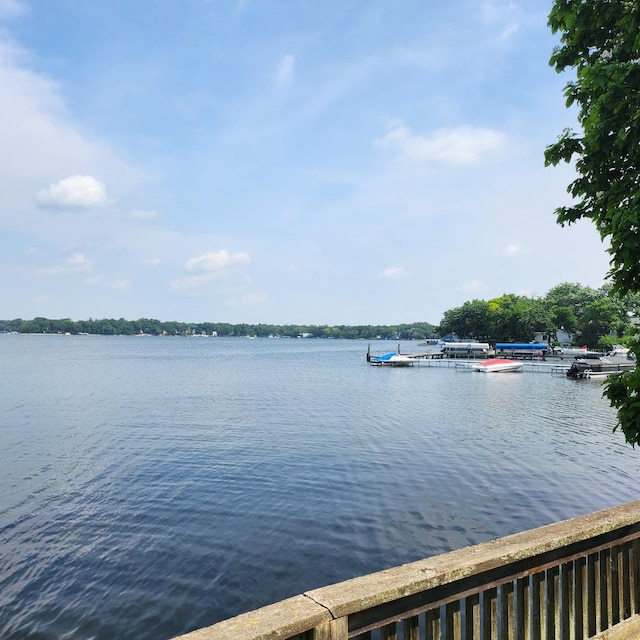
(597, 318)
(150, 326)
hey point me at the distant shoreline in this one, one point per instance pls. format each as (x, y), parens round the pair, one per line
(153, 327)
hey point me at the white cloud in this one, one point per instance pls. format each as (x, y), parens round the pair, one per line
(469, 287)
(75, 262)
(216, 260)
(285, 70)
(392, 273)
(462, 145)
(208, 268)
(511, 250)
(75, 191)
(151, 262)
(79, 261)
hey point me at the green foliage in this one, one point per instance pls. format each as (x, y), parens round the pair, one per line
(471, 320)
(150, 326)
(569, 307)
(600, 40)
(600, 318)
(622, 391)
(607, 343)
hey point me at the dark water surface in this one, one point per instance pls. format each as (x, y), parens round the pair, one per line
(149, 486)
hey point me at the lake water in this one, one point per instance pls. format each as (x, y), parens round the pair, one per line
(149, 486)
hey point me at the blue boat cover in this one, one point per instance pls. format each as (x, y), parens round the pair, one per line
(386, 356)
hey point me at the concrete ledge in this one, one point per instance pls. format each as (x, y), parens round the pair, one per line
(280, 620)
(628, 629)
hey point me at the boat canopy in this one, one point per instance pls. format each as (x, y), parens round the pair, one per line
(521, 346)
(466, 346)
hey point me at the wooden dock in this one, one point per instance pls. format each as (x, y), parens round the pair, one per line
(551, 364)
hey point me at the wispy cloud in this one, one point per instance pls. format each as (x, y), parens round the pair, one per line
(470, 287)
(286, 70)
(75, 262)
(12, 8)
(512, 250)
(208, 268)
(393, 273)
(216, 260)
(502, 15)
(75, 191)
(462, 145)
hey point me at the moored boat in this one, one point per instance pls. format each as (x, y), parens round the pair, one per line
(497, 365)
(598, 367)
(391, 360)
(522, 349)
(466, 349)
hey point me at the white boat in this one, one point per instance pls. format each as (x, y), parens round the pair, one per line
(574, 351)
(599, 367)
(466, 349)
(392, 360)
(497, 365)
(619, 350)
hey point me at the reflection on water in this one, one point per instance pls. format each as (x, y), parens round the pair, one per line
(155, 485)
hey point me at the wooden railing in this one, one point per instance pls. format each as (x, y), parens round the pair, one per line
(571, 580)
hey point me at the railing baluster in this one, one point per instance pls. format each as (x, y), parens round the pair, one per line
(452, 621)
(625, 581)
(389, 632)
(411, 628)
(521, 608)
(472, 617)
(565, 584)
(605, 601)
(592, 601)
(614, 581)
(634, 576)
(432, 625)
(505, 611)
(550, 605)
(579, 598)
(488, 610)
(537, 606)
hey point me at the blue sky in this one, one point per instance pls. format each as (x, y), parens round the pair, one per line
(338, 162)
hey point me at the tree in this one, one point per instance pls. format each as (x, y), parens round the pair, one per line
(600, 39)
(572, 295)
(511, 320)
(471, 320)
(600, 318)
